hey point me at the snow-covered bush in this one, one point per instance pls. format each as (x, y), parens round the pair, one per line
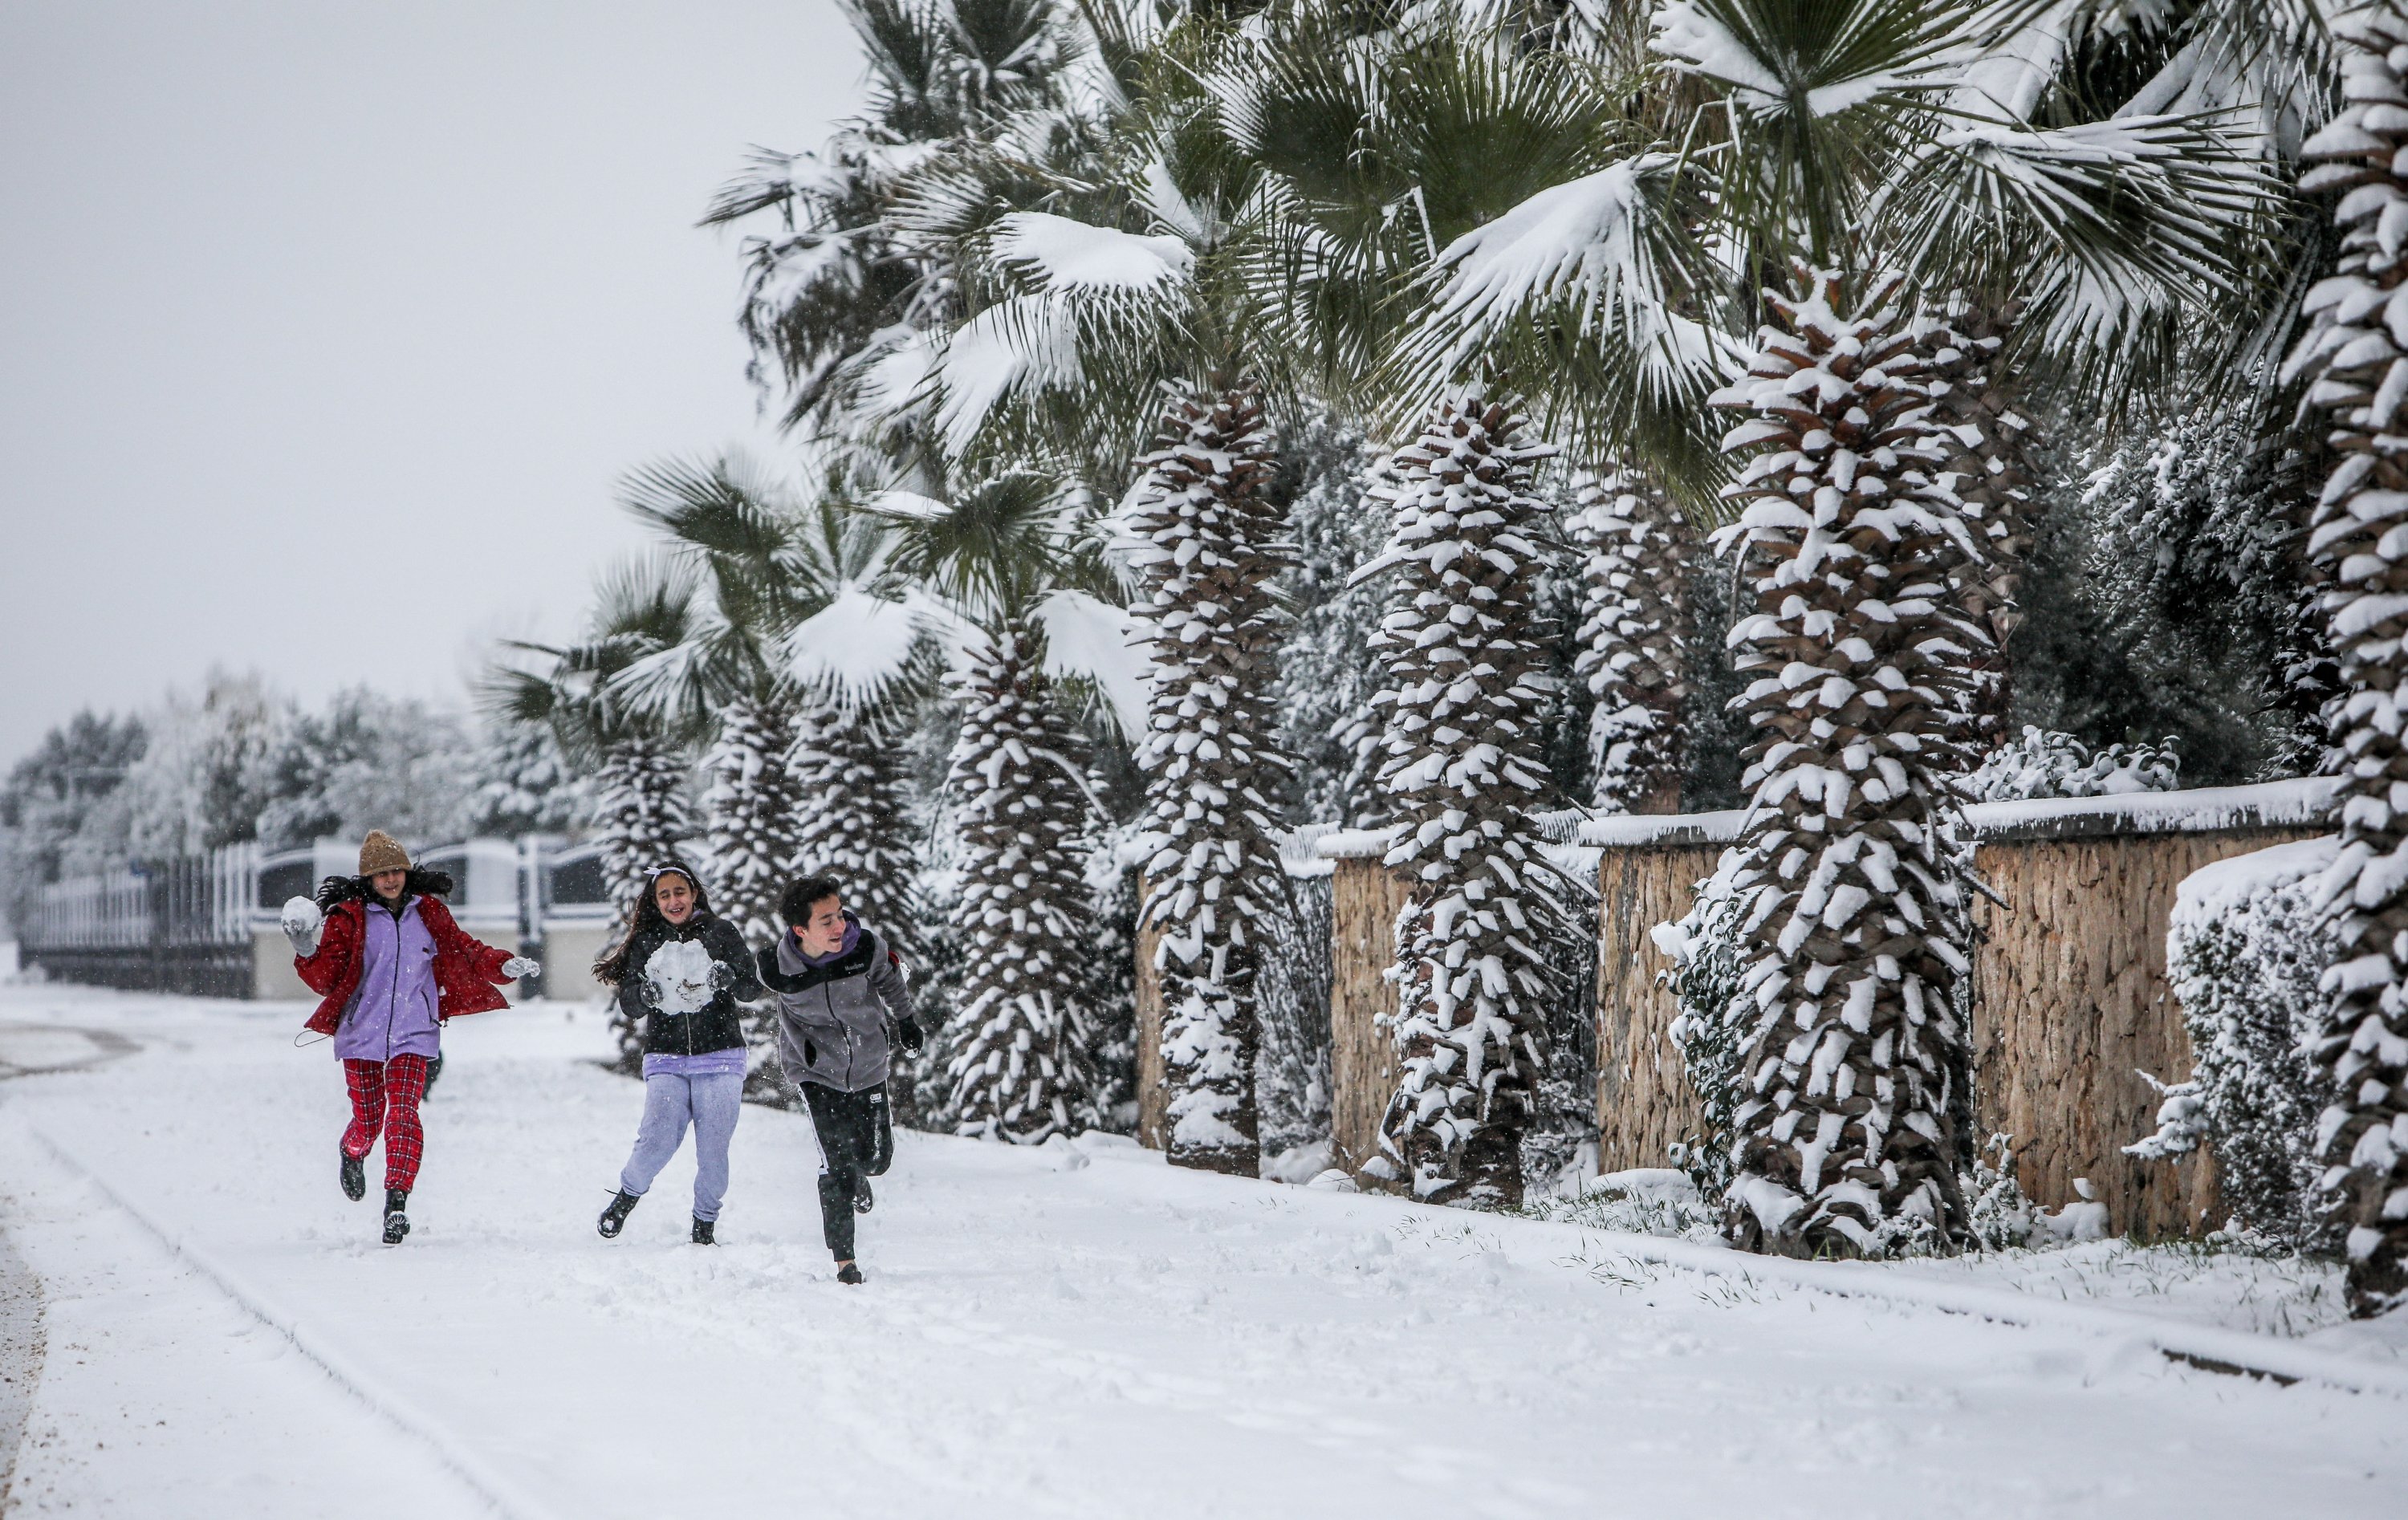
(1292, 1000)
(1712, 1025)
(2040, 764)
(1999, 1216)
(2245, 950)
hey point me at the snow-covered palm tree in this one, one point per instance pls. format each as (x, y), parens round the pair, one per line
(641, 761)
(1458, 763)
(1633, 641)
(1007, 567)
(837, 285)
(795, 661)
(731, 530)
(1122, 336)
(1851, 138)
(2357, 365)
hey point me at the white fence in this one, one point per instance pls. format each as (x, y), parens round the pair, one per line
(208, 924)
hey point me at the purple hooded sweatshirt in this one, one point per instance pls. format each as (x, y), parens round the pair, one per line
(392, 1011)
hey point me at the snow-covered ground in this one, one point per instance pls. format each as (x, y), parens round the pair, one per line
(1068, 1331)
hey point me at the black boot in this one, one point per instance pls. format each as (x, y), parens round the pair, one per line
(356, 1177)
(615, 1217)
(851, 1272)
(702, 1229)
(397, 1215)
(862, 1201)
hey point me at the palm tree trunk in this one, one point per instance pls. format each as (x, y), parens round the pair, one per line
(1020, 1059)
(640, 818)
(2358, 364)
(1461, 759)
(1633, 639)
(751, 809)
(1855, 930)
(1205, 529)
(851, 801)
(1983, 438)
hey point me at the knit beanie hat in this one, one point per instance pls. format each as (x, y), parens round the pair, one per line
(382, 851)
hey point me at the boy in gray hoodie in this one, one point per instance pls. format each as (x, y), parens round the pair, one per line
(843, 1004)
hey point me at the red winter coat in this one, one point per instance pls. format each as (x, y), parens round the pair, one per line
(466, 970)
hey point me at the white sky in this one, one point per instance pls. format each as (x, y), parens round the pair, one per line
(325, 328)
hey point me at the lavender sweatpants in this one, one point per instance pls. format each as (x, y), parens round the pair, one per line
(711, 1101)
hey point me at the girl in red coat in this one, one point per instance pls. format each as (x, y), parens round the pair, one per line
(393, 967)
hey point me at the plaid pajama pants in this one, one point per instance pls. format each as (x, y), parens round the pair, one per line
(384, 1097)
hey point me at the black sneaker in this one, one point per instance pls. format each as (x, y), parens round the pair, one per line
(356, 1177)
(397, 1215)
(851, 1272)
(702, 1229)
(862, 1201)
(615, 1217)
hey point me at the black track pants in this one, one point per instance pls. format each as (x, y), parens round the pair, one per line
(856, 1141)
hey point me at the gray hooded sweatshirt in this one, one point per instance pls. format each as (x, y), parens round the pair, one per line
(836, 1018)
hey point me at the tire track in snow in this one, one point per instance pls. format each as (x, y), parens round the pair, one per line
(22, 1346)
(505, 1497)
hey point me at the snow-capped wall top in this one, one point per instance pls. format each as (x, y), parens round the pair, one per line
(1630, 830)
(2302, 803)
(1353, 843)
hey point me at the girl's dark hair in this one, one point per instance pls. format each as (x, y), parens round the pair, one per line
(646, 914)
(420, 883)
(795, 906)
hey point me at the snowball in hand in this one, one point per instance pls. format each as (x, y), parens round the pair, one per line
(301, 920)
(519, 965)
(680, 971)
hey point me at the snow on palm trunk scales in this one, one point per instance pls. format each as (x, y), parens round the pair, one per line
(1460, 759)
(1020, 1061)
(1854, 931)
(848, 773)
(751, 809)
(2357, 356)
(1634, 625)
(1201, 529)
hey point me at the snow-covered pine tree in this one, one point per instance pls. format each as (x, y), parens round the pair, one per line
(1199, 531)
(1020, 1057)
(529, 784)
(2357, 358)
(751, 810)
(1460, 763)
(852, 819)
(1856, 931)
(1633, 639)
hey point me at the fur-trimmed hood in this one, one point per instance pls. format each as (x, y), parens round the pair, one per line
(337, 890)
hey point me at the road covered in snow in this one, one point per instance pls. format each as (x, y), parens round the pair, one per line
(1075, 1330)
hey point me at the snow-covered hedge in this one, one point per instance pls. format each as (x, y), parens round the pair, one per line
(2040, 764)
(1712, 1025)
(2245, 951)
